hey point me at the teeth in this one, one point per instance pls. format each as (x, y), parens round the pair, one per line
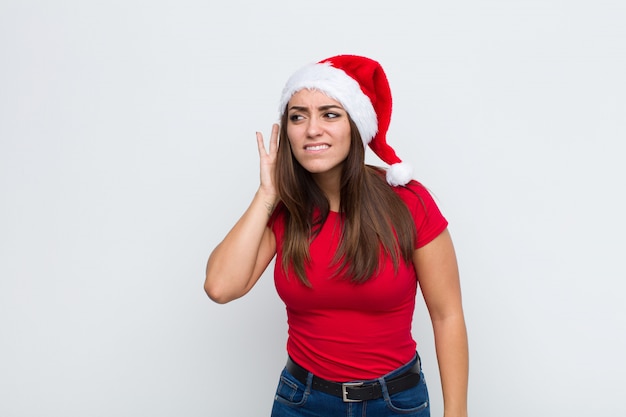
(317, 147)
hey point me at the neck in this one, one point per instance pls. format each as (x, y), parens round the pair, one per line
(331, 186)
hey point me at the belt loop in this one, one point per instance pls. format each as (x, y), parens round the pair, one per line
(309, 383)
(383, 387)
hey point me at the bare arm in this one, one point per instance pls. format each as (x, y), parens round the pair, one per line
(237, 263)
(438, 276)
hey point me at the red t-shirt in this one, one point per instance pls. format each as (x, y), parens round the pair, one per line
(343, 331)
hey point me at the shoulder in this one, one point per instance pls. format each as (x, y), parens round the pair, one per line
(428, 218)
(414, 192)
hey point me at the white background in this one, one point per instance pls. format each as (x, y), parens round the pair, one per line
(127, 151)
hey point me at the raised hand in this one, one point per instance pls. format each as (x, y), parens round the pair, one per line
(268, 162)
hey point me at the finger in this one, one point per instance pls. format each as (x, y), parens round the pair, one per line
(260, 144)
(274, 139)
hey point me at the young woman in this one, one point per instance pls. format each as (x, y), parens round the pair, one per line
(352, 243)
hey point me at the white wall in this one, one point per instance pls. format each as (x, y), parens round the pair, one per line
(127, 151)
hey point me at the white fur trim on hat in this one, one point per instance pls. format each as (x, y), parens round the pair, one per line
(339, 86)
(399, 174)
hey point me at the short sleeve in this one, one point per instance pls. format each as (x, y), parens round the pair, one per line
(429, 221)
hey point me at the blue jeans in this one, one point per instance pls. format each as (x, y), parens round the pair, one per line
(295, 399)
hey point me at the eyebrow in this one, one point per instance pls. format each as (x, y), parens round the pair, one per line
(320, 108)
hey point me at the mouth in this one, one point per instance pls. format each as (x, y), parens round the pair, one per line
(314, 148)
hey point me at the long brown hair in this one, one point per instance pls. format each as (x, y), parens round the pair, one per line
(376, 219)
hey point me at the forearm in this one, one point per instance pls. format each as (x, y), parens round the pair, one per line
(452, 355)
(232, 265)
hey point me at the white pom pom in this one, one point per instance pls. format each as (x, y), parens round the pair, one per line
(399, 174)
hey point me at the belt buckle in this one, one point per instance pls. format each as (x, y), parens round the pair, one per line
(344, 391)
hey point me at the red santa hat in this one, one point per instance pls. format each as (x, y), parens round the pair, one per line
(362, 88)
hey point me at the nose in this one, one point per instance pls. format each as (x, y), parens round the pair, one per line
(314, 127)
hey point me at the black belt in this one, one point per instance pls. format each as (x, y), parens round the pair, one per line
(358, 391)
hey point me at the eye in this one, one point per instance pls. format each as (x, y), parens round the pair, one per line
(295, 117)
(331, 115)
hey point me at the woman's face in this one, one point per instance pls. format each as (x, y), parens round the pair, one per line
(318, 129)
